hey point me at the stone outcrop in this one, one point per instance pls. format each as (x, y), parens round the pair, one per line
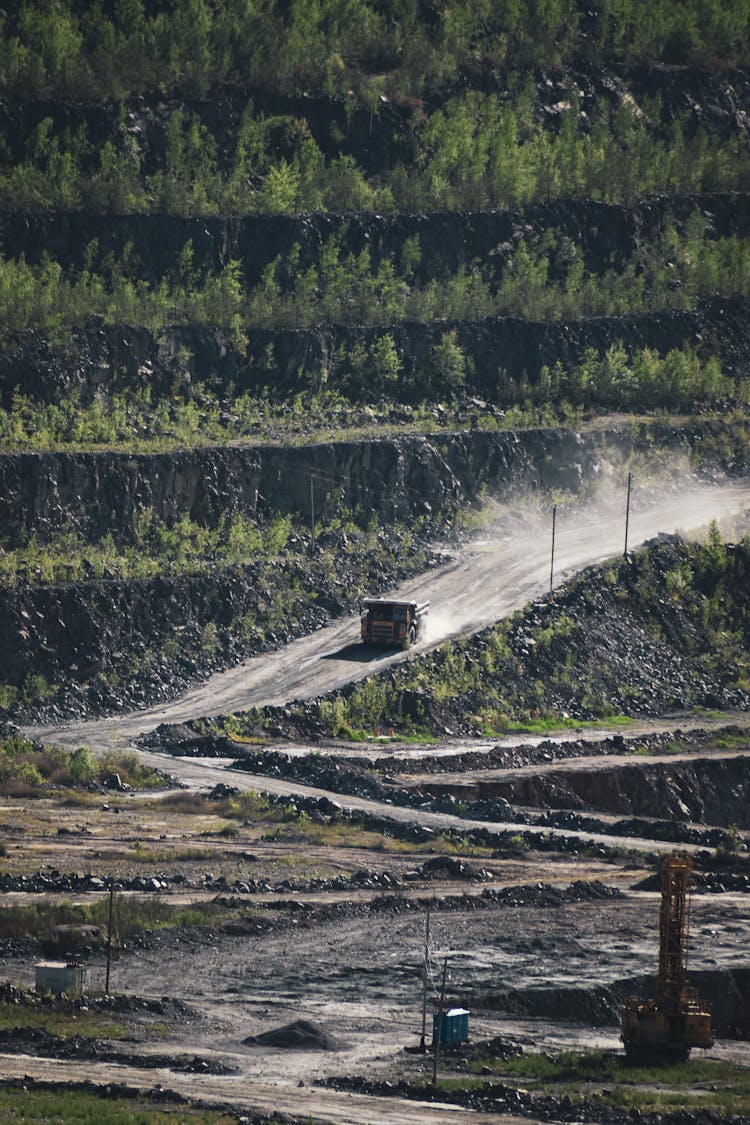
(398, 477)
(287, 360)
(704, 791)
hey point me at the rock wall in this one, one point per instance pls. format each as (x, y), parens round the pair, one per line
(94, 493)
(606, 234)
(704, 790)
(398, 478)
(288, 360)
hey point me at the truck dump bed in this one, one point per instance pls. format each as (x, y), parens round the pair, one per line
(392, 623)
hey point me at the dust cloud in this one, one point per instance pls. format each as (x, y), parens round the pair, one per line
(509, 562)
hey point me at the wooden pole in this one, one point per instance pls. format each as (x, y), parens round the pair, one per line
(439, 1034)
(312, 511)
(425, 968)
(109, 937)
(552, 559)
(627, 512)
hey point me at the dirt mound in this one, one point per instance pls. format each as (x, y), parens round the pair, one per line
(448, 867)
(300, 1035)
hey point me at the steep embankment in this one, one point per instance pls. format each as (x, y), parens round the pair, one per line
(287, 361)
(111, 639)
(704, 791)
(394, 478)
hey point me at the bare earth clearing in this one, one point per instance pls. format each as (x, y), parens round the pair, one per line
(348, 955)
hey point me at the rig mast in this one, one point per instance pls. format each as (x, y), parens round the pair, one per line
(675, 1020)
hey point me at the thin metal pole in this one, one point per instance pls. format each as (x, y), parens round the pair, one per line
(439, 1033)
(109, 937)
(552, 559)
(627, 512)
(312, 511)
(425, 967)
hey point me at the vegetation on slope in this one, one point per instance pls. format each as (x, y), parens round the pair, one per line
(131, 422)
(667, 628)
(475, 151)
(409, 110)
(542, 278)
(110, 50)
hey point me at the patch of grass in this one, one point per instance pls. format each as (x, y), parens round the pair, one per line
(61, 1019)
(700, 1083)
(727, 740)
(76, 799)
(547, 724)
(65, 1106)
(30, 769)
(167, 855)
(131, 915)
(189, 803)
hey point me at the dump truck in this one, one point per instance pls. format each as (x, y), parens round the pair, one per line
(674, 1020)
(395, 624)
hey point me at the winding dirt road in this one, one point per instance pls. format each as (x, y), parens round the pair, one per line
(497, 574)
(494, 576)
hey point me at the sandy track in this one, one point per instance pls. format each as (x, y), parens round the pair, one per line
(495, 576)
(316, 1105)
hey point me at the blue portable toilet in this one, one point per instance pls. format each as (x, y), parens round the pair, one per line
(455, 1027)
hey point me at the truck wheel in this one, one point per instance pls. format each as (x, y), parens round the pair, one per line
(412, 636)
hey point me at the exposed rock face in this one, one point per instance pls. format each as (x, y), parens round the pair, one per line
(728, 993)
(87, 628)
(705, 791)
(98, 492)
(606, 233)
(120, 356)
(397, 478)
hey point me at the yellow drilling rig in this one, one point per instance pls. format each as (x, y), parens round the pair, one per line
(675, 1020)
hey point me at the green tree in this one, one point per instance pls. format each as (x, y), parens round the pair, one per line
(448, 365)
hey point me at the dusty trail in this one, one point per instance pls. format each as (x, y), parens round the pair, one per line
(493, 577)
(331, 1106)
(199, 773)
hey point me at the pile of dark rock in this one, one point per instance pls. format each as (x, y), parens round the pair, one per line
(499, 1098)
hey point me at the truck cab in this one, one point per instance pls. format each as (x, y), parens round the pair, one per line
(395, 624)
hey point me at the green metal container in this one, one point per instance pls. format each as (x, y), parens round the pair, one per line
(455, 1028)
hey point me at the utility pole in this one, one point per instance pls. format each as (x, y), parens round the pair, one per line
(109, 936)
(552, 560)
(312, 510)
(439, 1030)
(425, 968)
(627, 512)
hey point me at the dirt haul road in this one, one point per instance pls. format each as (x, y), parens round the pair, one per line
(238, 1093)
(492, 577)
